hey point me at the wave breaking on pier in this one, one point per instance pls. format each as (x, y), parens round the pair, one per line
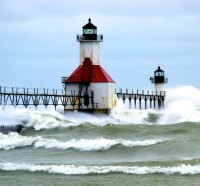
(182, 105)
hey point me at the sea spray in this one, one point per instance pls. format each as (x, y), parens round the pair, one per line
(182, 104)
(43, 119)
(9, 116)
(122, 115)
(180, 111)
(186, 93)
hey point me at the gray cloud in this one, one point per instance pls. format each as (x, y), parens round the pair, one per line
(20, 10)
(138, 34)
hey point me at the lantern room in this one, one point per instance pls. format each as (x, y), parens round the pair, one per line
(89, 33)
(159, 75)
(159, 79)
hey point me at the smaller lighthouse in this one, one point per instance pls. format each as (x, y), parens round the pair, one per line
(159, 80)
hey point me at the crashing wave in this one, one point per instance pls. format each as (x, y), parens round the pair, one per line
(14, 140)
(182, 105)
(85, 170)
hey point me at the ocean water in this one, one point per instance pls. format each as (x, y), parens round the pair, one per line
(128, 147)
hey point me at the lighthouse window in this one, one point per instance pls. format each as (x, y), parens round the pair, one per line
(89, 31)
(159, 74)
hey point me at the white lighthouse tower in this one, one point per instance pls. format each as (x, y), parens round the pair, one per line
(92, 87)
(89, 43)
(159, 80)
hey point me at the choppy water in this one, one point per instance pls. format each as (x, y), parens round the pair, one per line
(128, 147)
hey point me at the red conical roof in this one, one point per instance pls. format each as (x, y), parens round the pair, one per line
(89, 73)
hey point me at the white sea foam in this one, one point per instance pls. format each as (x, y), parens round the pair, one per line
(182, 105)
(123, 115)
(82, 170)
(9, 117)
(93, 144)
(13, 140)
(120, 115)
(187, 93)
(51, 119)
(46, 119)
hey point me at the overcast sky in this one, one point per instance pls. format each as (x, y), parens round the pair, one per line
(38, 40)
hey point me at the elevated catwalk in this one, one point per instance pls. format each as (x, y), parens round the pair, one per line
(151, 99)
(78, 101)
(27, 96)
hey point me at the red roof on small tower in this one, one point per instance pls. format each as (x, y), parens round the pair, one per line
(88, 73)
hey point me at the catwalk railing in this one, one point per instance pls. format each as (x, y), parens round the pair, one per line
(151, 99)
(74, 100)
(16, 96)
